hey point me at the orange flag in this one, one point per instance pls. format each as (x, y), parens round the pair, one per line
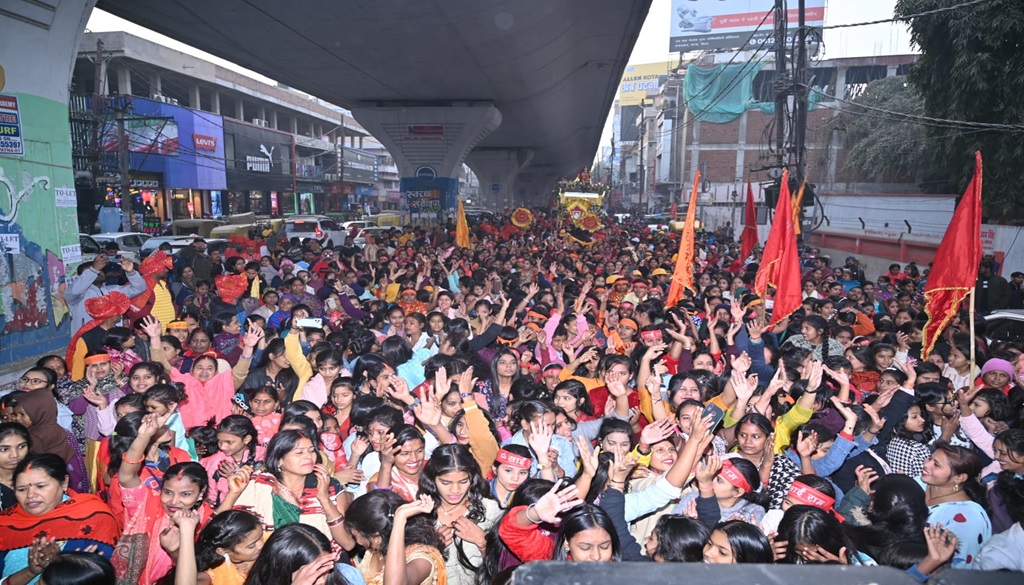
(780, 265)
(461, 228)
(748, 241)
(682, 276)
(956, 263)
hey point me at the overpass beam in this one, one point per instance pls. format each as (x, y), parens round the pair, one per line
(497, 169)
(429, 145)
(39, 203)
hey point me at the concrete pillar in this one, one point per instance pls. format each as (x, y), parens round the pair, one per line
(497, 168)
(124, 81)
(240, 109)
(215, 102)
(272, 120)
(361, 142)
(37, 184)
(429, 145)
(263, 112)
(295, 125)
(155, 83)
(194, 98)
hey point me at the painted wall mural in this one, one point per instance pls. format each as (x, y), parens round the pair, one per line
(38, 227)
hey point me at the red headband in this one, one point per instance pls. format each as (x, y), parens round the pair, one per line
(804, 494)
(508, 458)
(733, 476)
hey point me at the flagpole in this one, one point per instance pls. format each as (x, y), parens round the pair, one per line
(970, 312)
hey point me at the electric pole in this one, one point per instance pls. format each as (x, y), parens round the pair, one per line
(641, 172)
(123, 169)
(800, 95)
(781, 87)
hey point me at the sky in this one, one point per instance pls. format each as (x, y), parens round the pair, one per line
(652, 44)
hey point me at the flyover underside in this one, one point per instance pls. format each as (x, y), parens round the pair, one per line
(549, 67)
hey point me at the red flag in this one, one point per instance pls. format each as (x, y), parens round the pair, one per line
(673, 211)
(780, 264)
(748, 241)
(956, 263)
(682, 276)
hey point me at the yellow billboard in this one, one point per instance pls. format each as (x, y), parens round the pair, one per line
(637, 80)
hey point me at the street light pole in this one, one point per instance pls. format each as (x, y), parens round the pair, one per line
(641, 172)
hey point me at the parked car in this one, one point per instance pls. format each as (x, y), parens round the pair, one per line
(358, 224)
(92, 247)
(179, 242)
(318, 227)
(377, 233)
(1005, 325)
(127, 241)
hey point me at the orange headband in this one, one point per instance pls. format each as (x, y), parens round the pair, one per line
(629, 323)
(99, 358)
(536, 314)
(177, 325)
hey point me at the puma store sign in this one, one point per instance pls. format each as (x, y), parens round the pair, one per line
(204, 142)
(260, 164)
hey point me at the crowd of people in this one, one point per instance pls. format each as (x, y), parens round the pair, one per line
(416, 412)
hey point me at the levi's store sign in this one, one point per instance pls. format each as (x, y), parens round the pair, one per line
(202, 142)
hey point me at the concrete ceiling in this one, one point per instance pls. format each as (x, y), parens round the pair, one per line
(551, 67)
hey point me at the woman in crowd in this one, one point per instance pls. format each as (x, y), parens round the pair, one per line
(49, 519)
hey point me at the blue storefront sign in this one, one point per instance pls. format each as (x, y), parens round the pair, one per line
(186, 146)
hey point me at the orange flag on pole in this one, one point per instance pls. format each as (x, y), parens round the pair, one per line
(461, 228)
(682, 276)
(770, 254)
(780, 265)
(955, 270)
(748, 241)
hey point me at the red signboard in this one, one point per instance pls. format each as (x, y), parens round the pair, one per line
(425, 132)
(204, 142)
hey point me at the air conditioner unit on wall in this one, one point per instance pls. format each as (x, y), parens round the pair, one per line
(259, 122)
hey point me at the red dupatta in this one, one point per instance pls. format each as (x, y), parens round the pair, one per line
(80, 517)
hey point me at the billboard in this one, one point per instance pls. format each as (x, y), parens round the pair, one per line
(359, 166)
(699, 25)
(145, 135)
(639, 79)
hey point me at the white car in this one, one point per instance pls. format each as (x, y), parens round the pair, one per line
(179, 242)
(1005, 325)
(126, 241)
(91, 248)
(377, 233)
(318, 227)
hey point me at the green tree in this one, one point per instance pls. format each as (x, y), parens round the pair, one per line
(972, 69)
(877, 143)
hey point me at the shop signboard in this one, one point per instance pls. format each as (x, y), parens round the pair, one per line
(701, 25)
(359, 166)
(258, 159)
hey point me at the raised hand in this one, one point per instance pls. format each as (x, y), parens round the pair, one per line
(848, 415)
(740, 385)
(658, 431)
(865, 477)
(421, 505)
(707, 470)
(398, 389)
(553, 503)
(807, 444)
(620, 467)
(588, 456)
(388, 450)
(467, 382)
(540, 437)
(428, 411)
(253, 335)
(239, 479)
(942, 544)
(323, 482)
(152, 327)
(313, 572)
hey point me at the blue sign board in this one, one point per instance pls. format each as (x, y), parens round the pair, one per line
(496, 187)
